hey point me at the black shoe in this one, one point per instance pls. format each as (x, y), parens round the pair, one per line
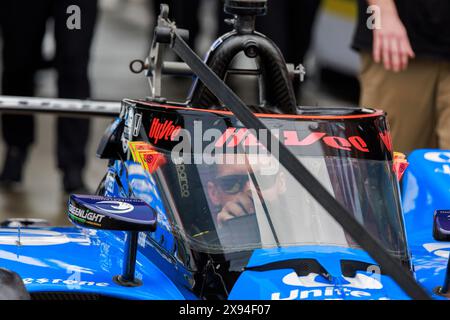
(13, 166)
(73, 182)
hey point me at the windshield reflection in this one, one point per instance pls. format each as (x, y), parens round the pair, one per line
(251, 201)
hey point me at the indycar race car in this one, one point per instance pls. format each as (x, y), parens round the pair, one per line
(218, 199)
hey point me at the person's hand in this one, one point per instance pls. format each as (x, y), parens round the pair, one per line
(391, 43)
(240, 206)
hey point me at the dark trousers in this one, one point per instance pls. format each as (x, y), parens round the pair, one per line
(23, 28)
(289, 24)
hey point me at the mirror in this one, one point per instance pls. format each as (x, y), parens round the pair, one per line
(125, 214)
(441, 225)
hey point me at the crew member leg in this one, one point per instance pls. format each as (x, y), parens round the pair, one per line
(270, 24)
(186, 16)
(72, 59)
(443, 107)
(408, 97)
(301, 21)
(293, 36)
(23, 30)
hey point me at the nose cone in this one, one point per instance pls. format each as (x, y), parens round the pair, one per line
(315, 273)
(288, 285)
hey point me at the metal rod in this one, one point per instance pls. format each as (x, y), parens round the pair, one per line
(129, 261)
(445, 286)
(59, 106)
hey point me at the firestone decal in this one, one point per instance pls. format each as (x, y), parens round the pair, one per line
(68, 282)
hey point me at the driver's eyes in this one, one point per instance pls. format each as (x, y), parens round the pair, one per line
(232, 184)
(232, 187)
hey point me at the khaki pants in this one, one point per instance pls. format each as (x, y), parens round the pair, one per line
(416, 100)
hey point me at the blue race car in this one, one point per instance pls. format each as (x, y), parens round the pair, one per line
(215, 199)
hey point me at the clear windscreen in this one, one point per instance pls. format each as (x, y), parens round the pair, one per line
(225, 193)
(245, 202)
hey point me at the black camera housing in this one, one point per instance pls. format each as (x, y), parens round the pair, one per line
(246, 7)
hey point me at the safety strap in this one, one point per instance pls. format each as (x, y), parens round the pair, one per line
(387, 263)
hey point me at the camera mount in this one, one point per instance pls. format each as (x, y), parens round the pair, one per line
(246, 7)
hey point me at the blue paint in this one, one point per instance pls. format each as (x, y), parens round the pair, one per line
(425, 189)
(286, 284)
(82, 260)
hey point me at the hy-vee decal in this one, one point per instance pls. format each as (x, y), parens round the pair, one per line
(291, 138)
(166, 130)
(162, 130)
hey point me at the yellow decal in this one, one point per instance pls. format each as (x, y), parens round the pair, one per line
(400, 164)
(146, 155)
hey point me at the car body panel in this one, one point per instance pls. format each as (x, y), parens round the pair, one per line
(283, 283)
(79, 260)
(426, 187)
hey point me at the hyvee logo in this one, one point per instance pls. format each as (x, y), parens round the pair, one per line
(162, 130)
(291, 138)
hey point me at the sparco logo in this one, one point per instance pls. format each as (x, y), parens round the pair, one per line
(183, 181)
(82, 214)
